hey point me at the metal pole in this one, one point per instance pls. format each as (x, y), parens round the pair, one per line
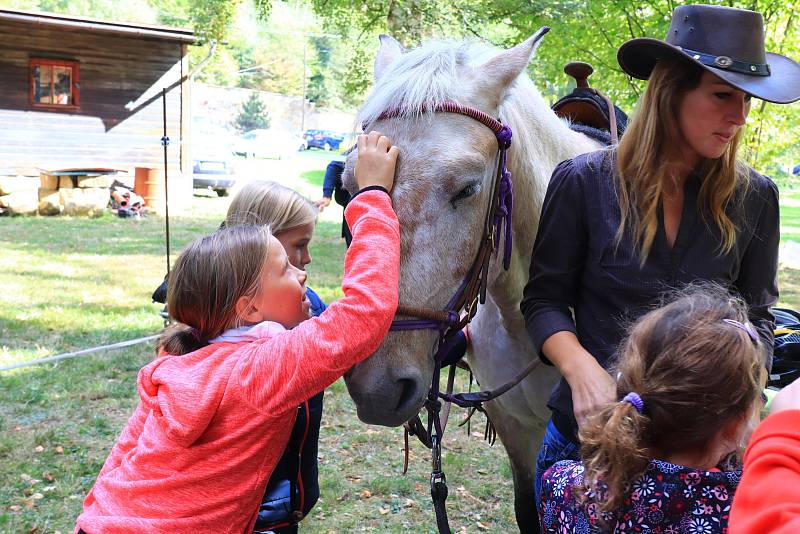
(164, 143)
(303, 103)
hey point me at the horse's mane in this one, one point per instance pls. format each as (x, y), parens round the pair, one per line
(427, 75)
(420, 79)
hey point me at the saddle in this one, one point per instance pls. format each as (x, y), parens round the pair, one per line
(588, 110)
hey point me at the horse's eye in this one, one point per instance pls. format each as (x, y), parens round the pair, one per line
(468, 191)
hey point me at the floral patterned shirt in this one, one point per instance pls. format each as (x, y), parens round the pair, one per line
(667, 498)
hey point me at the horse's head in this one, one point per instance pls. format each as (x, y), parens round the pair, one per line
(443, 184)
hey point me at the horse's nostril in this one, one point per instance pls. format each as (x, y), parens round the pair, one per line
(408, 393)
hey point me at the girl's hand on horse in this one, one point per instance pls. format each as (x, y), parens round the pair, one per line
(376, 162)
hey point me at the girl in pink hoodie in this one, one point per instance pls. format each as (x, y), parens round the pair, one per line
(217, 408)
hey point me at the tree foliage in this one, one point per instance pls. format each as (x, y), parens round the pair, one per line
(252, 114)
(585, 30)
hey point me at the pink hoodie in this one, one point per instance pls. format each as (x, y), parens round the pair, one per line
(211, 425)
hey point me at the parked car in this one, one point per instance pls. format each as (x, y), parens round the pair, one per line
(212, 162)
(324, 139)
(269, 143)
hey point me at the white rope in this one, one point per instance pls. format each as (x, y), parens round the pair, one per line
(83, 352)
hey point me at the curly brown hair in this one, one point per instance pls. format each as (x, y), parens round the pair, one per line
(694, 371)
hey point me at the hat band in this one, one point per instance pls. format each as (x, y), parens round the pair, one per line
(728, 63)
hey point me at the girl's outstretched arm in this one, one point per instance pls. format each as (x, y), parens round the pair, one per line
(281, 372)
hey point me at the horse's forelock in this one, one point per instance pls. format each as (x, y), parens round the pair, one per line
(422, 78)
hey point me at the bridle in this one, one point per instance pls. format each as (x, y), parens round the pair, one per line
(460, 310)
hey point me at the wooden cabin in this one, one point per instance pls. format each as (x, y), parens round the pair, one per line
(87, 93)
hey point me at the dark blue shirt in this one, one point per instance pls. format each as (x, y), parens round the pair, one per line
(576, 267)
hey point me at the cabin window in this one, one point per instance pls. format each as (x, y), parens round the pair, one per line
(55, 83)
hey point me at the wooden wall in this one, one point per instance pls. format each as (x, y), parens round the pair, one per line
(119, 123)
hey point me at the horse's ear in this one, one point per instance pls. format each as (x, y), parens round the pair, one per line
(497, 74)
(389, 51)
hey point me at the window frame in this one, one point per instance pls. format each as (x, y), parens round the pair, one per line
(76, 78)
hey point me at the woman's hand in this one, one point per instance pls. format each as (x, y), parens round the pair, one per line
(591, 385)
(376, 162)
(592, 388)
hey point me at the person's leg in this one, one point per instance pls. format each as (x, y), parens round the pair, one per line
(555, 447)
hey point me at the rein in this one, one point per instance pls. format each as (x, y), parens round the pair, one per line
(459, 311)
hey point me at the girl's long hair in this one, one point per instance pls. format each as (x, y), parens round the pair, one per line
(209, 276)
(264, 202)
(649, 150)
(694, 372)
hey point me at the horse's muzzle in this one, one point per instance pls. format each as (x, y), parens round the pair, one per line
(386, 396)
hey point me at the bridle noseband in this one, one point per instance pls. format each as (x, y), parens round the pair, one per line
(461, 308)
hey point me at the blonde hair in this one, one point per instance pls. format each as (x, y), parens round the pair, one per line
(262, 202)
(694, 373)
(649, 147)
(209, 276)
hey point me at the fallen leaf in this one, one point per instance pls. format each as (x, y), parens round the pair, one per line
(383, 511)
(47, 476)
(18, 428)
(59, 450)
(419, 486)
(482, 526)
(49, 488)
(39, 448)
(365, 494)
(36, 496)
(352, 478)
(15, 508)
(33, 530)
(410, 503)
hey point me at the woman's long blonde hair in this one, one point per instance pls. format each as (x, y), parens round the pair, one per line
(269, 203)
(650, 147)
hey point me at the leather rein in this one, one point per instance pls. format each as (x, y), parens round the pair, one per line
(459, 311)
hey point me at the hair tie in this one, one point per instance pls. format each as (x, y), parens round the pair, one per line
(746, 327)
(635, 400)
(195, 333)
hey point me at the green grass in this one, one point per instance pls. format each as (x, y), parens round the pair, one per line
(316, 178)
(71, 283)
(790, 223)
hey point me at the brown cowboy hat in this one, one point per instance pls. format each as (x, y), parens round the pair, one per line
(727, 42)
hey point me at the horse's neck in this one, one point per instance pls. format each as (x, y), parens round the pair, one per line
(542, 141)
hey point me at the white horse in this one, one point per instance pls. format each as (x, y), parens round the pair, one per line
(444, 179)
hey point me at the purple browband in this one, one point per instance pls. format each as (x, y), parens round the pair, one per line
(505, 204)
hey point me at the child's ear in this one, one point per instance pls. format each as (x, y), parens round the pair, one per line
(246, 311)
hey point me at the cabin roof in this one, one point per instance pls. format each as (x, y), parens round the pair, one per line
(132, 29)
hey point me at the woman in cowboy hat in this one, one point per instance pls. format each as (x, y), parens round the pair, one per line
(671, 204)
